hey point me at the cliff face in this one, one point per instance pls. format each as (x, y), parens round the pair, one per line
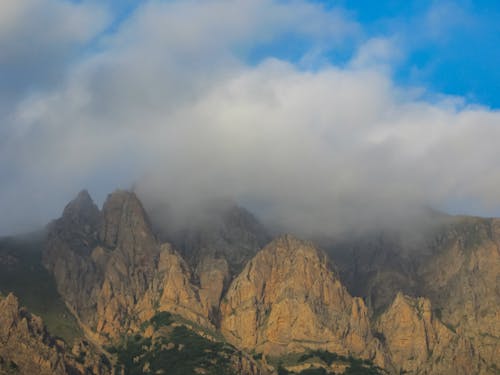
(24, 343)
(455, 263)
(463, 280)
(115, 275)
(419, 343)
(288, 298)
(217, 244)
(112, 271)
(27, 348)
(129, 254)
(70, 242)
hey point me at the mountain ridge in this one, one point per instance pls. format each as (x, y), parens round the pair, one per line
(286, 297)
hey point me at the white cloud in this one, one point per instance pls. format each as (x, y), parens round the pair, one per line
(169, 101)
(377, 53)
(38, 39)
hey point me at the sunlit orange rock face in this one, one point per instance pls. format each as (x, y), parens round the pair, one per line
(24, 342)
(419, 343)
(288, 298)
(26, 347)
(115, 273)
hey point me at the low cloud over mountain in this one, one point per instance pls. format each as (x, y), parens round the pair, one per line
(192, 100)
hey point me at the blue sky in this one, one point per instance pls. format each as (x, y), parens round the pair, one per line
(461, 57)
(321, 114)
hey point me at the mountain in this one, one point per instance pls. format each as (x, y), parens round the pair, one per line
(112, 271)
(419, 343)
(454, 263)
(22, 274)
(217, 242)
(289, 299)
(462, 279)
(216, 296)
(26, 347)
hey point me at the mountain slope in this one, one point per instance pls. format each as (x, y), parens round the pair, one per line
(22, 273)
(462, 279)
(419, 343)
(111, 269)
(116, 275)
(454, 262)
(27, 348)
(217, 242)
(289, 299)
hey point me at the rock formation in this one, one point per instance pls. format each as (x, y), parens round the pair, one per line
(67, 255)
(112, 271)
(24, 343)
(217, 244)
(419, 343)
(462, 279)
(115, 273)
(288, 298)
(27, 348)
(455, 263)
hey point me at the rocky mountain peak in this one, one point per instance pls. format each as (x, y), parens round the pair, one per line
(300, 259)
(78, 226)
(220, 230)
(217, 241)
(287, 298)
(81, 210)
(124, 220)
(418, 342)
(287, 245)
(13, 315)
(9, 306)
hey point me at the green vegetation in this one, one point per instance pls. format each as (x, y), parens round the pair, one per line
(163, 318)
(175, 350)
(438, 313)
(22, 273)
(8, 367)
(356, 368)
(323, 360)
(257, 356)
(495, 369)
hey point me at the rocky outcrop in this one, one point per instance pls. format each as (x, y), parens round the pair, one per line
(288, 298)
(171, 290)
(217, 244)
(113, 273)
(462, 278)
(243, 365)
(27, 348)
(419, 343)
(67, 255)
(129, 253)
(25, 344)
(453, 261)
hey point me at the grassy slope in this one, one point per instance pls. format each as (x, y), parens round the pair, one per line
(174, 349)
(22, 273)
(321, 361)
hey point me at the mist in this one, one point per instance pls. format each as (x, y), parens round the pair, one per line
(169, 102)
